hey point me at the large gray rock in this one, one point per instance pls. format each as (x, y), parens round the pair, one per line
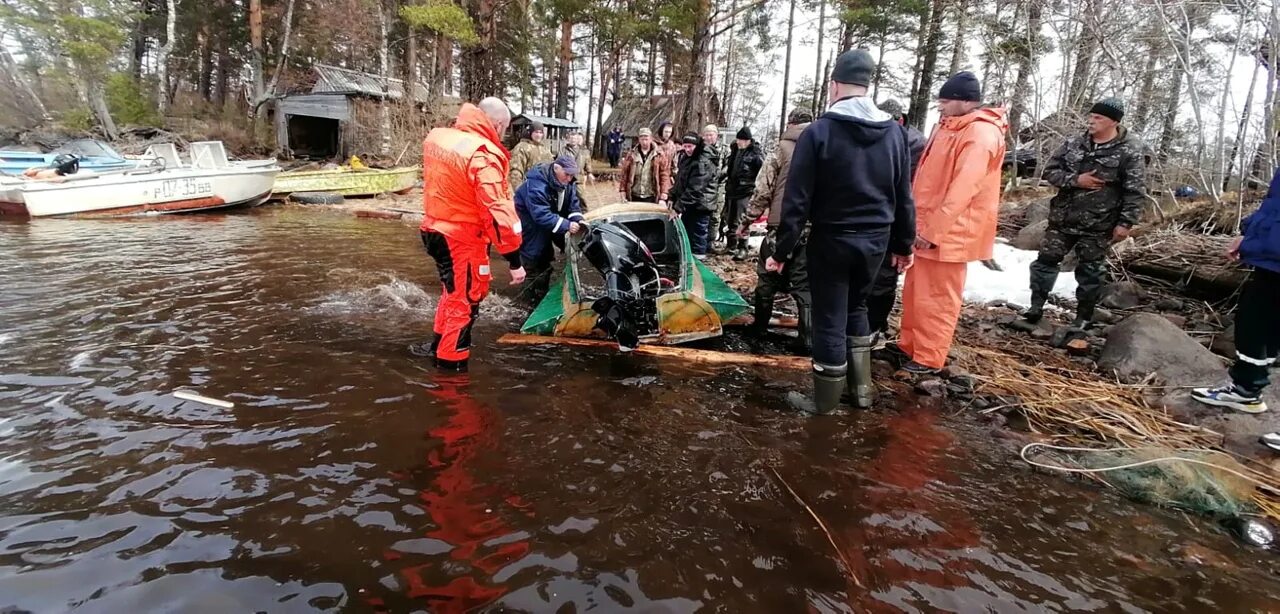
(1122, 295)
(1037, 212)
(1146, 343)
(1030, 237)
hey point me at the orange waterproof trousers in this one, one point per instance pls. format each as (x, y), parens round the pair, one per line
(931, 299)
(464, 278)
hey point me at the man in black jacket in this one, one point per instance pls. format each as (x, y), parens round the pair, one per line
(693, 197)
(745, 161)
(850, 179)
(884, 291)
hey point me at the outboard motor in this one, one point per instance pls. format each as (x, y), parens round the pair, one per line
(629, 308)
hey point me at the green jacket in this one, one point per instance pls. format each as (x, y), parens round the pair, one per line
(524, 157)
(1120, 163)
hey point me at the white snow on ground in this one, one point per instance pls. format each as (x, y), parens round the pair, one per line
(1013, 284)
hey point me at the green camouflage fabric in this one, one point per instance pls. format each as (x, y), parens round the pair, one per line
(1090, 272)
(1119, 163)
(525, 156)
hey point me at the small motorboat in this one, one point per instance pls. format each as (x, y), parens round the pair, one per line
(93, 155)
(349, 181)
(641, 284)
(165, 185)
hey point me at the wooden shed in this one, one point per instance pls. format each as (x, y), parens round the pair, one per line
(342, 115)
(557, 129)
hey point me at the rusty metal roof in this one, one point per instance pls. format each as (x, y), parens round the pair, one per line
(335, 80)
(546, 121)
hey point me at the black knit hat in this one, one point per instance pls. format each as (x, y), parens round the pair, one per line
(691, 139)
(745, 133)
(1109, 107)
(799, 116)
(855, 67)
(961, 86)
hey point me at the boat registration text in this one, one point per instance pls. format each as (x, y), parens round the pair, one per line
(182, 188)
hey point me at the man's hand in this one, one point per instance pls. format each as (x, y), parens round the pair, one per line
(1090, 181)
(772, 266)
(623, 194)
(673, 214)
(574, 228)
(902, 263)
(921, 243)
(1120, 233)
(1233, 252)
(517, 276)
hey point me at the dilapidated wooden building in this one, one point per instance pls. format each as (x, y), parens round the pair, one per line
(341, 115)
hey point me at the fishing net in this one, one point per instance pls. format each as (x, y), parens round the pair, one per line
(1202, 481)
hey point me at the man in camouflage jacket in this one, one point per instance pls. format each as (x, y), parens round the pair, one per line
(1101, 190)
(528, 153)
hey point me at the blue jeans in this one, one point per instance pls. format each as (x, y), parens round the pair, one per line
(697, 224)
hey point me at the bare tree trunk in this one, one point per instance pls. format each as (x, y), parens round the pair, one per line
(822, 92)
(1221, 166)
(591, 88)
(413, 71)
(566, 63)
(162, 56)
(879, 74)
(653, 69)
(962, 24)
(1241, 132)
(818, 81)
(384, 73)
(139, 51)
(97, 100)
(929, 61)
(1026, 65)
(479, 70)
(1085, 50)
(255, 48)
(18, 81)
(204, 81)
(1147, 90)
(693, 107)
(786, 67)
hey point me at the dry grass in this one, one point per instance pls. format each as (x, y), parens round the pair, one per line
(1071, 406)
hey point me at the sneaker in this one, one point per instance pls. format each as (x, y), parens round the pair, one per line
(1230, 397)
(916, 368)
(1271, 440)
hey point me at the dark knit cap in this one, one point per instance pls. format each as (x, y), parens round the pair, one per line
(1110, 107)
(855, 67)
(961, 86)
(745, 133)
(799, 116)
(568, 164)
(691, 138)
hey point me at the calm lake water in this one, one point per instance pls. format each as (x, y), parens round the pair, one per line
(350, 476)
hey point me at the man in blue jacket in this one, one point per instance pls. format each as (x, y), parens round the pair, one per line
(548, 206)
(1257, 327)
(850, 181)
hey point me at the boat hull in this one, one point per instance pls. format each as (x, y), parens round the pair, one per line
(178, 191)
(695, 308)
(348, 182)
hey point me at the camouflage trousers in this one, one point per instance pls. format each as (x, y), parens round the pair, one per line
(1091, 249)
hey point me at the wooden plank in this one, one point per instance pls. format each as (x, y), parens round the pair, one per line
(795, 363)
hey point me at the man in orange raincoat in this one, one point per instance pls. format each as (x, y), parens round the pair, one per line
(957, 193)
(468, 207)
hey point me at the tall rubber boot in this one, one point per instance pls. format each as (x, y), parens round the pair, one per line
(1036, 312)
(804, 340)
(828, 385)
(763, 313)
(861, 388)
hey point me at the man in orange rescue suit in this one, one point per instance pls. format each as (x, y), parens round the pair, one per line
(468, 207)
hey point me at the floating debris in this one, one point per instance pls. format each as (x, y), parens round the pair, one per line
(187, 395)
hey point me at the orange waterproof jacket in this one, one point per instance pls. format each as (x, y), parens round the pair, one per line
(465, 194)
(957, 186)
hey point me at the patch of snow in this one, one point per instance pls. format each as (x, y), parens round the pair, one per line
(1013, 285)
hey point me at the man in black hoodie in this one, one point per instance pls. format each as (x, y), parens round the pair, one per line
(693, 197)
(850, 179)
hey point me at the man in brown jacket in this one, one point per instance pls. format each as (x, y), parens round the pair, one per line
(771, 183)
(646, 173)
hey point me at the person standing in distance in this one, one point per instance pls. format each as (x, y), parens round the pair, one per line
(467, 207)
(850, 179)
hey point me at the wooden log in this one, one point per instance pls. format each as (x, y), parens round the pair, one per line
(1078, 347)
(795, 363)
(1213, 281)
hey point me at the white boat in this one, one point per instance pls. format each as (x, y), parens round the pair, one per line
(167, 185)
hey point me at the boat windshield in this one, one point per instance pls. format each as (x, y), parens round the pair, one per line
(89, 148)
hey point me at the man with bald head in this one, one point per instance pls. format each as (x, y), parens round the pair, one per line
(468, 206)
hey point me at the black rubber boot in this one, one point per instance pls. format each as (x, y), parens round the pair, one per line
(860, 387)
(1084, 316)
(763, 313)
(828, 385)
(1036, 312)
(459, 366)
